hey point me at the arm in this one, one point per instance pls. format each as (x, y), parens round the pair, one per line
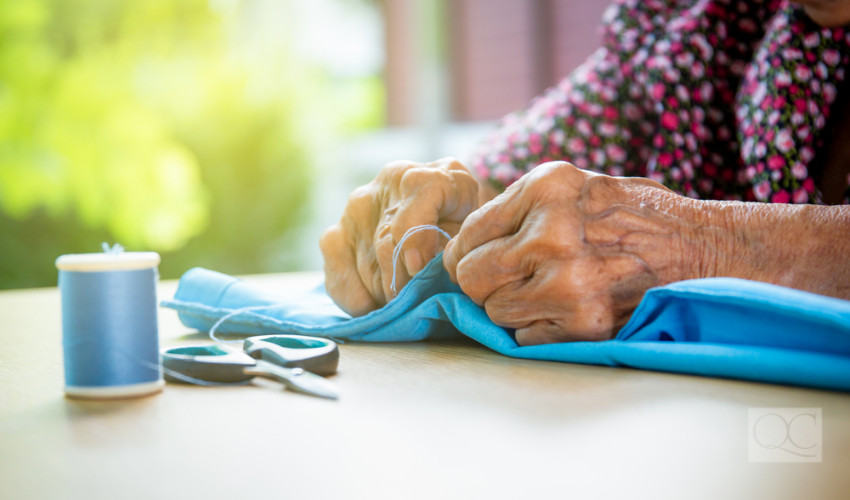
(565, 254)
(799, 246)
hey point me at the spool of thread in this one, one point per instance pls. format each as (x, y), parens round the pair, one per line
(110, 335)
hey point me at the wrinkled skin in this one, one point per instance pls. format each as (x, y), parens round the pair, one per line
(358, 250)
(566, 254)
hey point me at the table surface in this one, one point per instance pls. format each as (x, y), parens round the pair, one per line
(415, 420)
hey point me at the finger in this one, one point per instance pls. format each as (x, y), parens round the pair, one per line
(500, 217)
(537, 299)
(359, 225)
(342, 280)
(431, 196)
(464, 198)
(589, 321)
(492, 266)
(422, 192)
(369, 271)
(539, 332)
(388, 270)
(569, 329)
(586, 310)
(511, 307)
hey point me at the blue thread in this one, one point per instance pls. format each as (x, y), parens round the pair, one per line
(186, 378)
(250, 310)
(410, 232)
(112, 250)
(105, 314)
(234, 313)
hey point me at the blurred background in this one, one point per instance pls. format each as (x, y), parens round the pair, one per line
(228, 133)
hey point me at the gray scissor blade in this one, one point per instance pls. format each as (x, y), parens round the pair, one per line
(297, 379)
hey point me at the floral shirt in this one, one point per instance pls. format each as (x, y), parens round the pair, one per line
(717, 99)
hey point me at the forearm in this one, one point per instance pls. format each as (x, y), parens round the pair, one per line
(806, 247)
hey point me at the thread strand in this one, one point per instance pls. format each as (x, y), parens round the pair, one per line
(233, 314)
(175, 373)
(410, 232)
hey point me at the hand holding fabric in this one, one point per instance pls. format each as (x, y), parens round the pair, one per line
(566, 254)
(358, 250)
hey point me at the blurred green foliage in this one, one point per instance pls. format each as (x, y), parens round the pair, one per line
(141, 122)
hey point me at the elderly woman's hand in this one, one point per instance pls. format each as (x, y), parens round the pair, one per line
(358, 251)
(565, 254)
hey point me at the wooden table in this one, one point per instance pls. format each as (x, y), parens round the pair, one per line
(419, 420)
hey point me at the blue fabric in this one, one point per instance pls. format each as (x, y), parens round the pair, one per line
(720, 327)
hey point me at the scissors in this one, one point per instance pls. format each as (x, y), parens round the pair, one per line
(297, 361)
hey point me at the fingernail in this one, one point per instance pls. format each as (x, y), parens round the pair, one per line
(412, 261)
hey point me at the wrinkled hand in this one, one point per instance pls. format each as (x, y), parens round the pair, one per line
(358, 251)
(565, 254)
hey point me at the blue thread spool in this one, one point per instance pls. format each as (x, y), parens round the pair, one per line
(110, 334)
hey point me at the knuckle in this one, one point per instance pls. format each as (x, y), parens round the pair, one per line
(555, 169)
(561, 174)
(541, 183)
(444, 162)
(394, 171)
(331, 240)
(415, 179)
(360, 200)
(561, 167)
(464, 179)
(451, 164)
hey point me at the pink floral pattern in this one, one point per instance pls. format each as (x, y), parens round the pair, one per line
(719, 99)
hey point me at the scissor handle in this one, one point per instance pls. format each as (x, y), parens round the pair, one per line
(313, 354)
(210, 363)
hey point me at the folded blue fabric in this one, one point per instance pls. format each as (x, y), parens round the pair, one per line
(720, 327)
